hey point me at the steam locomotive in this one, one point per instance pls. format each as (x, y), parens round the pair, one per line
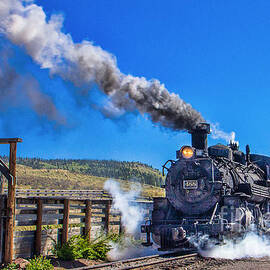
(216, 191)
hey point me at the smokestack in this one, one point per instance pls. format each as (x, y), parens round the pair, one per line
(199, 136)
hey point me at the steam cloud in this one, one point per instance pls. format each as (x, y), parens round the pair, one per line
(217, 133)
(131, 214)
(252, 245)
(131, 217)
(24, 23)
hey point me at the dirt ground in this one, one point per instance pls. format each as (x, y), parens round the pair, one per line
(61, 265)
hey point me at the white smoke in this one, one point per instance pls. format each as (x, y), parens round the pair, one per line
(127, 249)
(252, 245)
(217, 133)
(132, 216)
(25, 24)
(131, 213)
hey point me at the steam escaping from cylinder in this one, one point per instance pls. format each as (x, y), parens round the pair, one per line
(131, 213)
(252, 245)
(132, 216)
(25, 24)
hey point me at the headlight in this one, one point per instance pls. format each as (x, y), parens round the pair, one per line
(187, 152)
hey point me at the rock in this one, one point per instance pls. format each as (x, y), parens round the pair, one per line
(21, 262)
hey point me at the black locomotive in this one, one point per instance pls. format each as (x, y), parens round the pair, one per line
(217, 191)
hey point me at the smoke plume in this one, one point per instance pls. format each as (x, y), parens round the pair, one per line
(18, 91)
(25, 24)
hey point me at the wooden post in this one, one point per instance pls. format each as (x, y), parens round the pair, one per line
(65, 221)
(120, 225)
(88, 215)
(1, 184)
(2, 208)
(10, 204)
(39, 227)
(107, 216)
(10, 209)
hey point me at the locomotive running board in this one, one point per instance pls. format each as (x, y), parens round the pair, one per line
(253, 189)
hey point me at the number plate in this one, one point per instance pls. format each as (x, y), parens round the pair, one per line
(190, 184)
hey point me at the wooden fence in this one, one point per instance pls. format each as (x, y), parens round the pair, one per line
(42, 221)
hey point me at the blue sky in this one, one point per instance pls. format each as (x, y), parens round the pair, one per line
(214, 54)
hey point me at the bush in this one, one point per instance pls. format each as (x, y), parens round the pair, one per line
(11, 266)
(79, 247)
(39, 263)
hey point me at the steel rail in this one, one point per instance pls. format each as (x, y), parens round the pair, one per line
(115, 263)
(159, 262)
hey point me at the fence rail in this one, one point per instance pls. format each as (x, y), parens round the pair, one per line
(83, 194)
(60, 193)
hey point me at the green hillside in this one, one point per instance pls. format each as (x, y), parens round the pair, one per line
(123, 170)
(29, 178)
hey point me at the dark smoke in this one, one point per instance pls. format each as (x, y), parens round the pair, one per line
(25, 24)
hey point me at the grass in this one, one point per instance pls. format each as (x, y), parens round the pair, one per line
(28, 177)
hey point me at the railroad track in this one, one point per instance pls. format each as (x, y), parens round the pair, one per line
(140, 262)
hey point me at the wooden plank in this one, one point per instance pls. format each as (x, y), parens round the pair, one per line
(24, 234)
(97, 224)
(10, 140)
(65, 221)
(22, 208)
(53, 207)
(39, 227)
(115, 223)
(5, 170)
(25, 212)
(26, 201)
(82, 207)
(100, 201)
(88, 215)
(59, 200)
(23, 217)
(24, 223)
(10, 204)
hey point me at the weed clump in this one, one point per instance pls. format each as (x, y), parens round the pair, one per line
(11, 266)
(39, 263)
(79, 247)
